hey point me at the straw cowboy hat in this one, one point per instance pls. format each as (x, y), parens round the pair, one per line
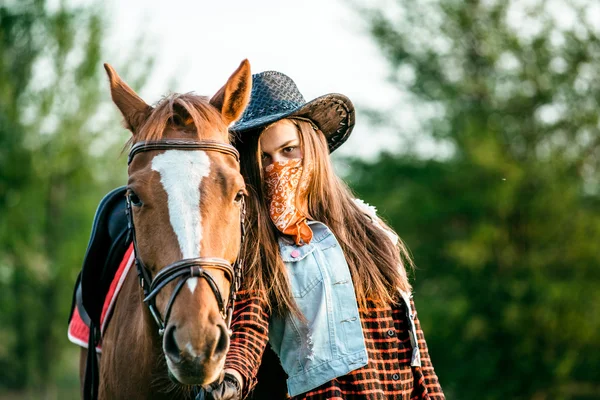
(275, 96)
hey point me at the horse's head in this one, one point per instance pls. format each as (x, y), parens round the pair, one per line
(185, 201)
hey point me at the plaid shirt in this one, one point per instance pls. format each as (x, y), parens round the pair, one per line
(388, 375)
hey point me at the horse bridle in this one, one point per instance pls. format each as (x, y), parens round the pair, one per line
(191, 267)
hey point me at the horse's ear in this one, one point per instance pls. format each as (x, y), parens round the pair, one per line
(232, 99)
(134, 109)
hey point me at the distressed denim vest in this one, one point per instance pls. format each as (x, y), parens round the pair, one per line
(330, 342)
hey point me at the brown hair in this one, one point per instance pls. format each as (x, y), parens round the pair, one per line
(376, 264)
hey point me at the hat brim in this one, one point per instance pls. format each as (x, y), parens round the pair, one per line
(332, 113)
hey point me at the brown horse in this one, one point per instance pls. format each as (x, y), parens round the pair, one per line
(186, 205)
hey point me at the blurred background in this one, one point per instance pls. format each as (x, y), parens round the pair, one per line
(477, 138)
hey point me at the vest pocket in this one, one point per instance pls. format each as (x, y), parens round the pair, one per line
(303, 272)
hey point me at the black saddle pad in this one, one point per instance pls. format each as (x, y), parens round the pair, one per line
(108, 243)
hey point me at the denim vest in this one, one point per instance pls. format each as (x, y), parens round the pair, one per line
(330, 343)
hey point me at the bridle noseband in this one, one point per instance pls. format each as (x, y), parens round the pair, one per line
(191, 267)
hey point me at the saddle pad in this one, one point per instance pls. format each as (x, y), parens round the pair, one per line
(79, 332)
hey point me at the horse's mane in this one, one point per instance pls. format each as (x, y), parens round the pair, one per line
(187, 112)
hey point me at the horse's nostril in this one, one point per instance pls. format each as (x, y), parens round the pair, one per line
(170, 344)
(222, 342)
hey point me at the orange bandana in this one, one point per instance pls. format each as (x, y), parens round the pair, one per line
(284, 185)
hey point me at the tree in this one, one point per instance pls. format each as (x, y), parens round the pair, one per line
(58, 157)
(504, 227)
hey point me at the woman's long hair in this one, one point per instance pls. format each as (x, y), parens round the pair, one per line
(377, 265)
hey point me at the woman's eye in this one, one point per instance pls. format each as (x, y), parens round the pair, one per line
(289, 149)
(135, 200)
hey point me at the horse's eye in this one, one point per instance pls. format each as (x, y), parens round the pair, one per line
(239, 196)
(135, 200)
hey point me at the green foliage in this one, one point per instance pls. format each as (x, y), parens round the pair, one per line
(505, 229)
(58, 156)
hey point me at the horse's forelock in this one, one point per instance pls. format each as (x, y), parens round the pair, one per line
(187, 112)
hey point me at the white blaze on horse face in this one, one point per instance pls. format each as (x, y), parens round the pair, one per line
(181, 173)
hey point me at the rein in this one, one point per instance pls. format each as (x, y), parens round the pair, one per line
(185, 269)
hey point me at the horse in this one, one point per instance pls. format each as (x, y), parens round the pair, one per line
(185, 205)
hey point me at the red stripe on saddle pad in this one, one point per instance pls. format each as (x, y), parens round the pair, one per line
(79, 332)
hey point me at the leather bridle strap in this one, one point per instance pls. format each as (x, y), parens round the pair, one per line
(184, 270)
(168, 144)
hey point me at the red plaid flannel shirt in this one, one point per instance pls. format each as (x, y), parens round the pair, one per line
(388, 375)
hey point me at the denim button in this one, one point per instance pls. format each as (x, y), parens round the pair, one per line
(391, 332)
(395, 377)
(295, 253)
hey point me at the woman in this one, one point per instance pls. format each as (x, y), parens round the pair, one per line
(325, 279)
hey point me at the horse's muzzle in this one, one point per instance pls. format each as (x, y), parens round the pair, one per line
(199, 363)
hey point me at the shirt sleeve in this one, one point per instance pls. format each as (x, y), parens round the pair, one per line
(250, 329)
(431, 380)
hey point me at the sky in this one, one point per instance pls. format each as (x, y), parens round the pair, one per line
(323, 45)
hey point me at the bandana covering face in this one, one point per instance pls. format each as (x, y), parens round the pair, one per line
(284, 182)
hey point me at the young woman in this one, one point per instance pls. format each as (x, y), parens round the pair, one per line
(325, 280)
